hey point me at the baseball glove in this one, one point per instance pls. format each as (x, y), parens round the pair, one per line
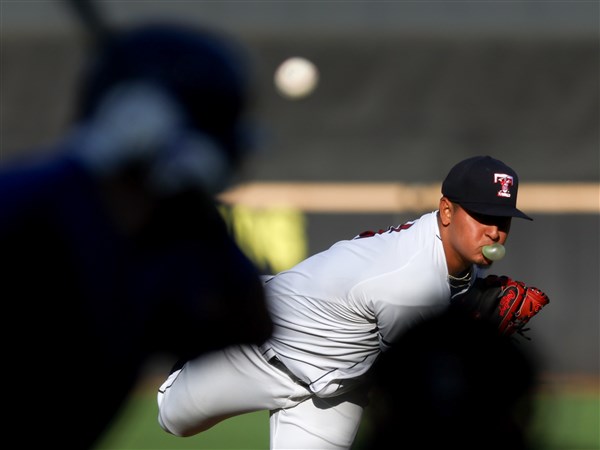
(507, 303)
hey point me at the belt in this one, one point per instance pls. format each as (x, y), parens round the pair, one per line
(272, 359)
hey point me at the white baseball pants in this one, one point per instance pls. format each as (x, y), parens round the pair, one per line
(239, 380)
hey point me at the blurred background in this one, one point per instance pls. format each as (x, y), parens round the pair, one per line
(405, 90)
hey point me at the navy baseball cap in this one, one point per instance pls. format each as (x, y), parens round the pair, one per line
(484, 185)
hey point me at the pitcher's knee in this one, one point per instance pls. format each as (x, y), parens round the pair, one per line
(167, 416)
(164, 426)
(173, 422)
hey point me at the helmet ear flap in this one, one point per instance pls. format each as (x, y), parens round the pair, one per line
(129, 126)
(139, 125)
(192, 160)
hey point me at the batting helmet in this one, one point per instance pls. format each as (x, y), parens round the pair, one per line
(205, 73)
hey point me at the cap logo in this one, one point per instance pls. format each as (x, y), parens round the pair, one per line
(506, 181)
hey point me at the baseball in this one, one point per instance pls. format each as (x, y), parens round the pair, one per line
(296, 77)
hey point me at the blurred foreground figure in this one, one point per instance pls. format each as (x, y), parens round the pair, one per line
(112, 247)
(452, 382)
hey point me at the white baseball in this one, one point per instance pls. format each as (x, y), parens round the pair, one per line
(296, 77)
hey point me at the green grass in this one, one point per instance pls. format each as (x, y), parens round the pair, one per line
(562, 421)
(569, 421)
(137, 428)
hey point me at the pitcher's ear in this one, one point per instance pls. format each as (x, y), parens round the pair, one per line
(446, 209)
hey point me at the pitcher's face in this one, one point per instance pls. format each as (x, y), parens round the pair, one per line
(467, 233)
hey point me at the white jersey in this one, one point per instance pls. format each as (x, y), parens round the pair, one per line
(335, 311)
